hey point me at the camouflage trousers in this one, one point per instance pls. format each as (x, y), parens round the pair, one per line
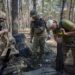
(38, 46)
(66, 49)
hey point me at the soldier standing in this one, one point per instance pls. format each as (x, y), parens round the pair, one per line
(38, 26)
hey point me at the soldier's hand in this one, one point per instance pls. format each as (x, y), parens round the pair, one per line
(49, 37)
(63, 31)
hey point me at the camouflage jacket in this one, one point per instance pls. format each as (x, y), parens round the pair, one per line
(38, 27)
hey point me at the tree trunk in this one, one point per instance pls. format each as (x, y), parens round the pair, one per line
(20, 14)
(34, 4)
(74, 12)
(28, 21)
(70, 10)
(7, 9)
(15, 16)
(42, 6)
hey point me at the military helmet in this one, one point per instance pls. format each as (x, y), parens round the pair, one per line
(33, 13)
(2, 16)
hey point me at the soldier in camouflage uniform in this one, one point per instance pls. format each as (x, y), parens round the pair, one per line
(3, 31)
(6, 38)
(68, 39)
(38, 26)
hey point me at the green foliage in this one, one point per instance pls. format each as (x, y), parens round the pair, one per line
(49, 7)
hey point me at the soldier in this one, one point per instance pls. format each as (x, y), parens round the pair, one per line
(3, 31)
(6, 38)
(67, 37)
(38, 26)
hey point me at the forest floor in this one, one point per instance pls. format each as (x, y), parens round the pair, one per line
(18, 65)
(51, 47)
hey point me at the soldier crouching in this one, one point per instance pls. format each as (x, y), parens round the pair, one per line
(66, 36)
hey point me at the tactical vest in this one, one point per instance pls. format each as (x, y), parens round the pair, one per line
(39, 26)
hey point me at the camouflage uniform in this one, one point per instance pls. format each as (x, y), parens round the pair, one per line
(6, 38)
(68, 41)
(38, 33)
(3, 41)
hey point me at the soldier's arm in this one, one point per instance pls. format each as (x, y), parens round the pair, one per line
(70, 33)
